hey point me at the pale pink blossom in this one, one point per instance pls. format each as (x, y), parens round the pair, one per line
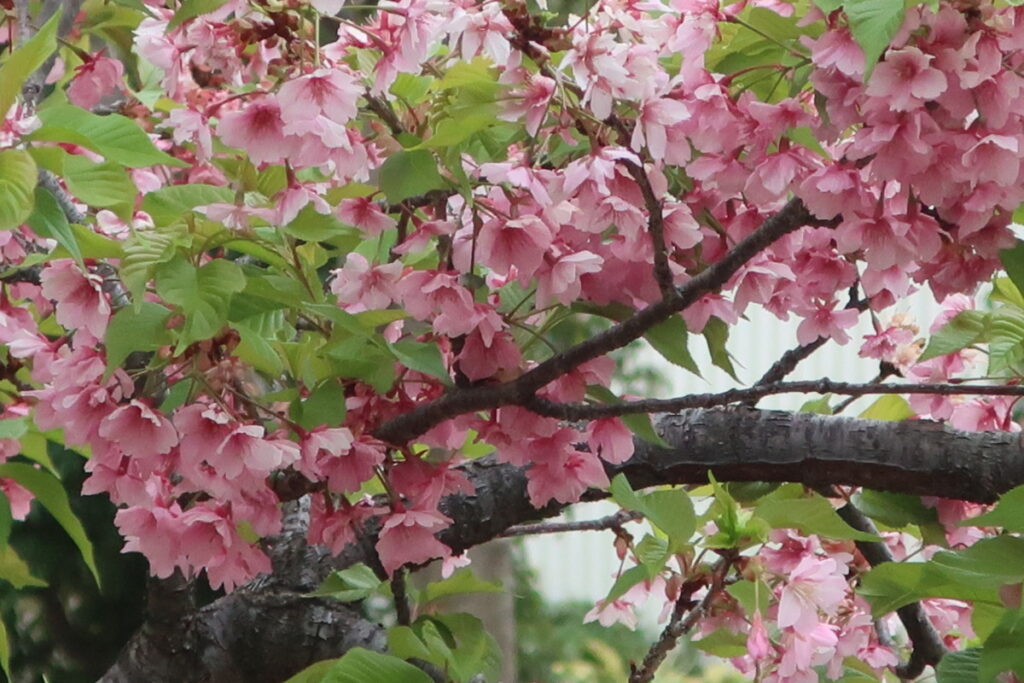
(905, 80)
(81, 303)
(814, 586)
(365, 215)
(258, 129)
(362, 287)
(139, 430)
(407, 537)
(98, 77)
(611, 440)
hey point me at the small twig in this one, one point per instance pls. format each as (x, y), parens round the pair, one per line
(30, 274)
(656, 224)
(383, 110)
(49, 182)
(609, 522)
(403, 613)
(684, 617)
(586, 411)
(790, 359)
(928, 647)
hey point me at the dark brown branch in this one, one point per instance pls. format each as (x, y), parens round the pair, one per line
(736, 444)
(656, 225)
(612, 521)
(927, 645)
(403, 615)
(409, 425)
(684, 617)
(587, 411)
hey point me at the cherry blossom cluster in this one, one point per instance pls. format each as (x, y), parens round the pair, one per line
(629, 149)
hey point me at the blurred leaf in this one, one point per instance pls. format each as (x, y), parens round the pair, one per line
(353, 583)
(118, 138)
(874, 24)
(48, 490)
(409, 173)
(808, 514)
(14, 570)
(965, 329)
(1007, 513)
(48, 220)
(170, 204)
(25, 60)
(888, 408)
(189, 9)
(130, 330)
(960, 667)
(18, 178)
(461, 582)
(896, 510)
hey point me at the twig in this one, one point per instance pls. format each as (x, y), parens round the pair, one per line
(609, 522)
(928, 647)
(586, 411)
(398, 590)
(401, 429)
(790, 359)
(656, 224)
(382, 109)
(684, 616)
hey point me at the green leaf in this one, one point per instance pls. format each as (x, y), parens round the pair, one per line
(314, 673)
(959, 667)
(1004, 291)
(203, 294)
(190, 9)
(409, 173)
(18, 178)
(627, 580)
(13, 428)
(144, 250)
(461, 582)
(723, 643)
(324, 407)
(106, 184)
(118, 138)
(359, 666)
(652, 553)
(6, 519)
(14, 570)
(48, 220)
(670, 510)
(256, 350)
(48, 490)
(474, 651)
(1008, 512)
(353, 583)
(313, 226)
(169, 204)
(873, 24)
(1005, 342)
(1003, 651)
(25, 60)
(896, 510)
(828, 6)
(809, 515)
(818, 406)
(669, 339)
(889, 408)
(1013, 262)
(716, 334)
(5, 646)
(422, 357)
(965, 329)
(131, 330)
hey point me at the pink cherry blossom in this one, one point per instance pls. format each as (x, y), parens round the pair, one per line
(905, 79)
(258, 129)
(139, 430)
(611, 440)
(81, 303)
(815, 585)
(98, 77)
(407, 537)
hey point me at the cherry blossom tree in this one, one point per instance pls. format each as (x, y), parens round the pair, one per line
(323, 293)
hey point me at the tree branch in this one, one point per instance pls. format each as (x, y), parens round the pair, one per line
(589, 411)
(736, 444)
(407, 426)
(613, 521)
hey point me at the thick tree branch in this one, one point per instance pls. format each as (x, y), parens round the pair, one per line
(736, 444)
(417, 421)
(588, 411)
(927, 645)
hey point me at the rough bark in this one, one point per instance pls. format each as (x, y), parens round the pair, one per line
(268, 631)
